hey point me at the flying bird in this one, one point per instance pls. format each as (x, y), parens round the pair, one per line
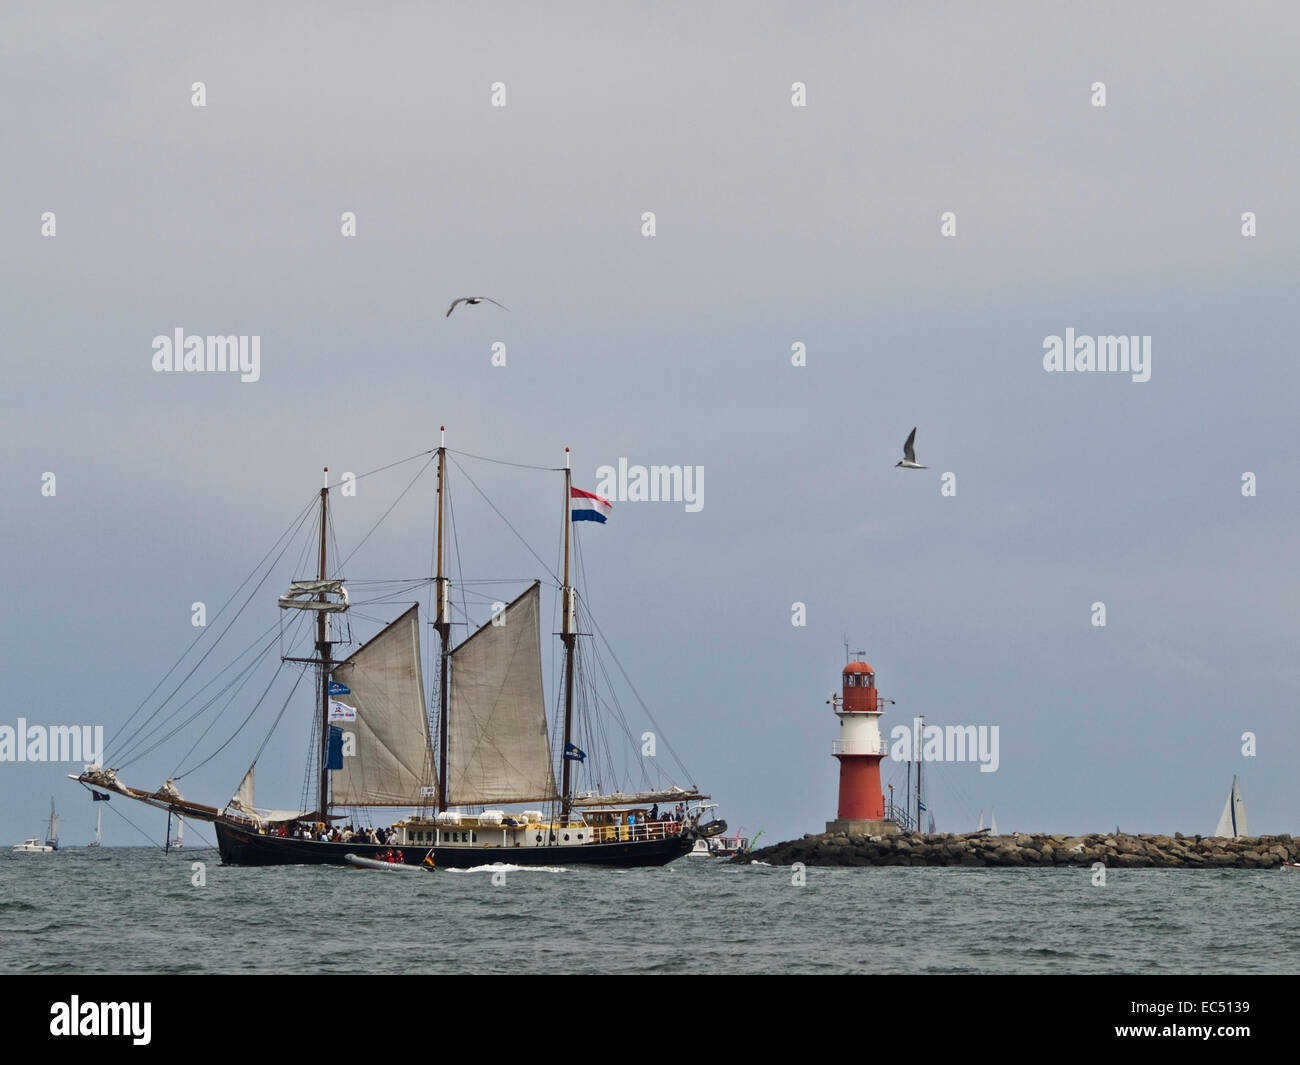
(909, 454)
(471, 300)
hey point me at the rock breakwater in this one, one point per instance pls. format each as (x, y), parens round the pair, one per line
(1034, 851)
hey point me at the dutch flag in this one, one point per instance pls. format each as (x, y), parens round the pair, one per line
(587, 506)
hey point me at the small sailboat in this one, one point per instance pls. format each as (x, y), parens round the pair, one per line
(31, 846)
(99, 828)
(178, 841)
(1232, 822)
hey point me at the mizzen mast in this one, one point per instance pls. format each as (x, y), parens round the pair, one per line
(568, 636)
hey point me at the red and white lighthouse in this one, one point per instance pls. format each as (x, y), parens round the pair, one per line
(860, 749)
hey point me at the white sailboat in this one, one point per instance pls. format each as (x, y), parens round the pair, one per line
(32, 846)
(1232, 822)
(99, 827)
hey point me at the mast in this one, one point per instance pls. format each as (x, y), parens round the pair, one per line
(323, 647)
(568, 636)
(919, 760)
(442, 622)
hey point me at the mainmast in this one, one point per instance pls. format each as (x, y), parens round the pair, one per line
(323, 648)
(568, 636)
(442, 622)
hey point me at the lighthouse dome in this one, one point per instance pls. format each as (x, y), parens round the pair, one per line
(858, 667)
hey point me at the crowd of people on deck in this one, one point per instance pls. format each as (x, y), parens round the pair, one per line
(678, 814)
(322, 833)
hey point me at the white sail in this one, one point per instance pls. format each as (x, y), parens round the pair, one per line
(52, 836)
(993, 823)
(981, 824)
(497, 746)
(389, 761)
(1232, 822)
(243, 797)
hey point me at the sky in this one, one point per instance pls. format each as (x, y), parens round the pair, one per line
(799, 161)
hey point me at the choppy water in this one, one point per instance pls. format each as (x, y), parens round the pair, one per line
(125, 910)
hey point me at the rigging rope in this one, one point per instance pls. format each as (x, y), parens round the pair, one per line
(290, 531)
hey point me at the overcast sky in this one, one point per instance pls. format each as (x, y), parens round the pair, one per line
(775, 224)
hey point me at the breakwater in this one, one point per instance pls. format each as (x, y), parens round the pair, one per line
(1033, 850)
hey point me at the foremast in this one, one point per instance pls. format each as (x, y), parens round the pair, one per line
(323, 649)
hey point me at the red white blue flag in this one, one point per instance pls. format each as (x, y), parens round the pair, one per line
(587, 506)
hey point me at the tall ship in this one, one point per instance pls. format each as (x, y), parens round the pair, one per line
(476, 769)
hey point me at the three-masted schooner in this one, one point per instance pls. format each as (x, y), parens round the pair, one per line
(377, 748)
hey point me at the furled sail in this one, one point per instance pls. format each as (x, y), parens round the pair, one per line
(302, 595)
(1232, 822)
(619, 798)
(380, 701)
(497, 746)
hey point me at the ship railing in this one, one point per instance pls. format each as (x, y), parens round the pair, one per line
(877, 746)
(653, 830)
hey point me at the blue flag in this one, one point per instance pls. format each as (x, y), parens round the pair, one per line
(339, 689)
(335, 759)
(572, 754)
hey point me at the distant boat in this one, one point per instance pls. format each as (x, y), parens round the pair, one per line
(31, 846)
(99, 827)
(179, 840)
(1232, 822)
(993, 823)
(720, 846)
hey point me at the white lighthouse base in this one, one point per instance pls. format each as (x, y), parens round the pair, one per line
(862, 828)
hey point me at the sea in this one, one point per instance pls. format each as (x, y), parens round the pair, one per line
(141, 911)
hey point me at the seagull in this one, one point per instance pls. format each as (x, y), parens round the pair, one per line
(909, 454)
(471, 300)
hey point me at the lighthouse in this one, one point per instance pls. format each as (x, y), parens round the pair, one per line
(859, 749)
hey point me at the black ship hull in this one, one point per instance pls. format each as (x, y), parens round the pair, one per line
(243, 846)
